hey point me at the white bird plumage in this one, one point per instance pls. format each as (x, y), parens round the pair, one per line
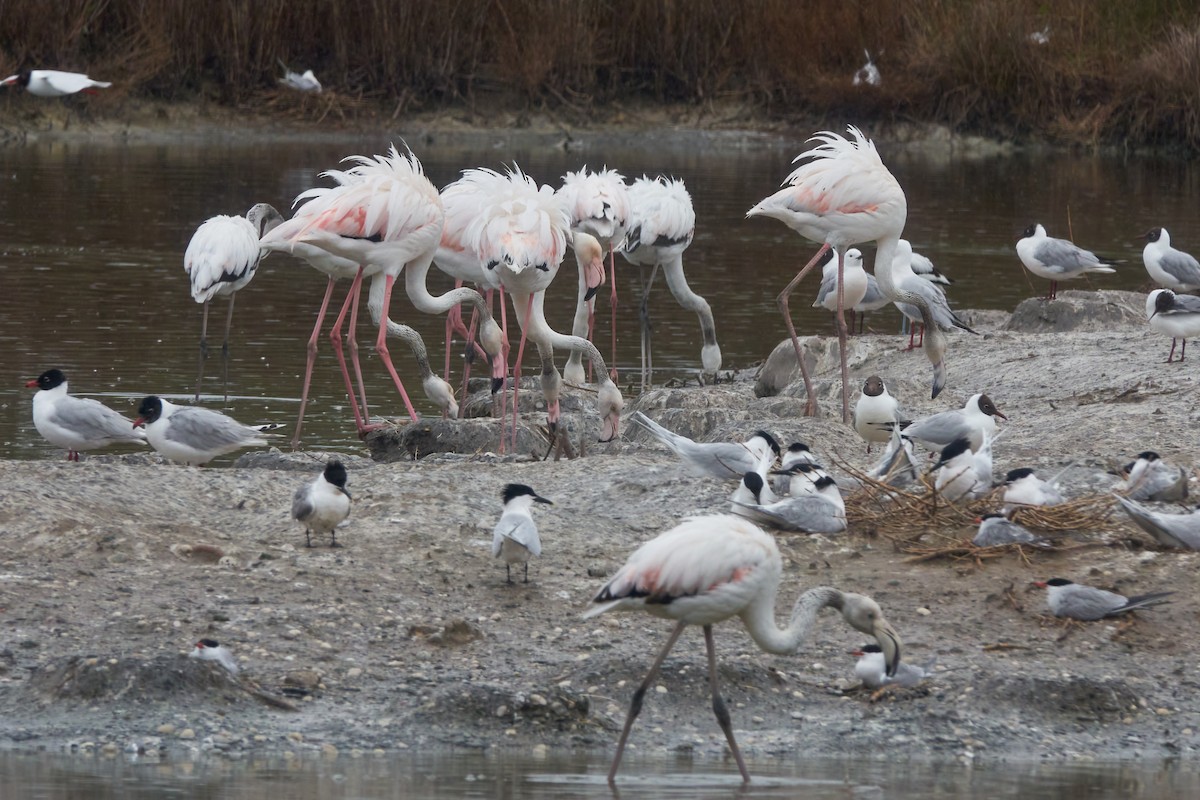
(1057, 259)
(323, 503)
(713, 459)
(1174, 315)
(515, 537)
(77, 423)
(193, 435)
(53, 82)
(708, 569)
(301, 82)
(1168, 267)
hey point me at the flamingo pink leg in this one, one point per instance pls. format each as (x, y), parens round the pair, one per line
(810, 408)
(503, 390)
(312, 357)
(335, 336)
(517, 369)
(635, 705)
(381, 346)
(467, 364)
(612, 259)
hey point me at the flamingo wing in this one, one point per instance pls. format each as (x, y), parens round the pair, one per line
(223, 252)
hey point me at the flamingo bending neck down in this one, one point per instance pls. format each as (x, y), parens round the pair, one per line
(383, 215)
(709, 569)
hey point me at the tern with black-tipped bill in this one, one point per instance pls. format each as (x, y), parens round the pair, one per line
(713, 459)
(515, 537)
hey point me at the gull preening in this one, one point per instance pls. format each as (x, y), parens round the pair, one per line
(515, 537)
(54, 83)
(77, 423)
(1057, 259)
(193, 435)
(323, 503)
(1087, 603)
(709, 569)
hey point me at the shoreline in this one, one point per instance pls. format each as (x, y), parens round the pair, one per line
(407, 637)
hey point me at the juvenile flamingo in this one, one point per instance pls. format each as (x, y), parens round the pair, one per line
(843, 195)
(221, 258)
(709, 569)
(662, 223)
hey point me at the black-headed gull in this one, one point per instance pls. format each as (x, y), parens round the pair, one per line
(1174, 315)
(973, 421)
(53, 82)
(515, 537)
(320, 505)
(1057, 259)
(875, 412)
(192, 435)
(76, 423)
(1169, 268)
(1087, 603)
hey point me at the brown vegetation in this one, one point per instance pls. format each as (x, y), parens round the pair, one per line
(1112, 70)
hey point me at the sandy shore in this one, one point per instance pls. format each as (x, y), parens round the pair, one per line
(408, 636)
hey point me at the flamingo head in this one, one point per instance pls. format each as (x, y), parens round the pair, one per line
(442, 394)
(609, 403)
(590, 257)
(863, 614)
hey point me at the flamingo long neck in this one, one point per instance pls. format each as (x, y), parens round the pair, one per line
(759, 619)
(676, 281)
(415, 274)
(415, 343)
(536, 328)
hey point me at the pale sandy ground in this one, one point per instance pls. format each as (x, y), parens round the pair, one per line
(408, 636)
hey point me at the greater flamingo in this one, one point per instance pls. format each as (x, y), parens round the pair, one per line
(843, 195)
(520, 237)
(662, 223)
(383, 215)
(221, 258)
(598, 204)
(709, 569)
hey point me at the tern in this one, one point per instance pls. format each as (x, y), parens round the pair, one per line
(824, 512)
(515, 537)
(1149, 477)
(713, 459)
(1027, 489)
(871, 669)
(212, 650)
(1172, 530)
(1087, 603)
(997, 529)
(320, 505)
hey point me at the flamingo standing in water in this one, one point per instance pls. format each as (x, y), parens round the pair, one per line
(598, 204)
(661, 227)
(521, 237)
(383, 215)
(709, 569)
(221, 258)
(843, 195)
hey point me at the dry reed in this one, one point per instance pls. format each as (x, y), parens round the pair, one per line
(1111, 70)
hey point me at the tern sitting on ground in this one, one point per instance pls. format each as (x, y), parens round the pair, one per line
(713, 459)
(1087, 603)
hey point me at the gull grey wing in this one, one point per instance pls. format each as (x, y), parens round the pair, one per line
(521, 529)
(94, 420)
(204, 429)
(941, 428)
(1185, 304)
(302, 507)
(1063, 257)
(1173, 530)
(828, 287)
(1181, 266)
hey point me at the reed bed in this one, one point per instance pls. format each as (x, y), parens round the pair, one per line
(923, 525)
(1111, 70)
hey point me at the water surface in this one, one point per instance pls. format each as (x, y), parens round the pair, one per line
(92, 239)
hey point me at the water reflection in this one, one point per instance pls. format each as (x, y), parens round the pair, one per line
(561, 776)
(92, 239)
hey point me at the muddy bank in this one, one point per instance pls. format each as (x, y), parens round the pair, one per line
(408, 636)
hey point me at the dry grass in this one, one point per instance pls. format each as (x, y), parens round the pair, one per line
(1112, 70)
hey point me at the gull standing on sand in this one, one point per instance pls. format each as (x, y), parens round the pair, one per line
(709, 569)
(212, 650)
(875, 411)
(973, 421)
(1173, 530)
(713, 459)
(193, 435)
(320, 505)
(843, 195)
(1169, 268)
(515, 537)
(1174, 315)
(1057, 259)
(1087, 603)
(221, 259)
(54, 83)
(76, 423)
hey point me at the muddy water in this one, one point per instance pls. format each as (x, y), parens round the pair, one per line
(559, 775)
(92, 239)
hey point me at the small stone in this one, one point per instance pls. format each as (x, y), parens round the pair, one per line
(165, 730)
(1163, 712)
(187, 733)
(537, 700)
(540, 751)
(329, 751)
(110, 749)
(502, 711)
(924, 612)
(660, 689)
(295, 736)
(354, 672)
